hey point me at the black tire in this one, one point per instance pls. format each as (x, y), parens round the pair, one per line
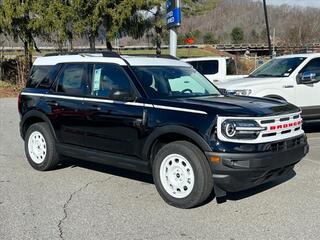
(203, 182)
(51, 158)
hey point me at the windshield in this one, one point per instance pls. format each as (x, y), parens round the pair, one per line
(174, 82)
(279, 67)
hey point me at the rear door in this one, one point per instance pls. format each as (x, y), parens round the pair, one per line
(114, 122)
(66, 102)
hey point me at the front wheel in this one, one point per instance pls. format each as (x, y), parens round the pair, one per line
(182, 174)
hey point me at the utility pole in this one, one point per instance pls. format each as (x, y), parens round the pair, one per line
(274, 43)
(268, 28)
(173, 22)
(173, 42)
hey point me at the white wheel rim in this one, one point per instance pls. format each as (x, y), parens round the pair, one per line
(37, 147)
(176, 176)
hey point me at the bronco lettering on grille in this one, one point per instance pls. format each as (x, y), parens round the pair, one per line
(286, 125)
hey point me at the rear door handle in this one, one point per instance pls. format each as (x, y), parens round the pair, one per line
(53, 103)
(95, 108)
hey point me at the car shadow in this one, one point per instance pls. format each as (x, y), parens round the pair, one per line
(236, 196)
(137, 176)
(261, 188)
(147, 178)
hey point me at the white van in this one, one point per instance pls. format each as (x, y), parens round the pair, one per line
(216, 69)
(293, 78)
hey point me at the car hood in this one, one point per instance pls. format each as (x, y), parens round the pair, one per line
(246, 83)
(233, 105)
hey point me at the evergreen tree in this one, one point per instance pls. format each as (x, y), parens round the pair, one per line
(237, 35)
(23, 21)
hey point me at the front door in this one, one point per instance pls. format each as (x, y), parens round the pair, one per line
(114, 121)
(308, 95)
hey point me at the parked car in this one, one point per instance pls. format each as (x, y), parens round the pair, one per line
(216, 69)
(293, 78)
(157, 116)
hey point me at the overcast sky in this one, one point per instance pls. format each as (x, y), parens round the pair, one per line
(305, 3)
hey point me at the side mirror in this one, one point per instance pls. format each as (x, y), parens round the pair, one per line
(307, 78)
(122, 95)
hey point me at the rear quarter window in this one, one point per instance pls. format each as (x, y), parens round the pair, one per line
(206, 67)
(40, 77)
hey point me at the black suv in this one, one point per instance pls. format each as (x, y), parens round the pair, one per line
(160, 116)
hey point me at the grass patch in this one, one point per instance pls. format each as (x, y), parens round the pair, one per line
(9, 89)
(181, 52)
(4, 84)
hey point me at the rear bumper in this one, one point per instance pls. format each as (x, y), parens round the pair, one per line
(239, 171)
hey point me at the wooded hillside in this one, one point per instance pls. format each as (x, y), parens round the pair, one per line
(293, 24)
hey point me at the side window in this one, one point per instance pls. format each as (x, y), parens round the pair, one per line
(73, 80)
(313, 67)
(39, 77)
(194, 64)
(110, 80)
(231, 67)
(206, 67)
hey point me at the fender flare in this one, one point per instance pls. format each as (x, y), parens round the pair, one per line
(174, 129)
(37, 114)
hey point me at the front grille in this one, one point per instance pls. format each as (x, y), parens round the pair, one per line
(284, 145)
(273, 128)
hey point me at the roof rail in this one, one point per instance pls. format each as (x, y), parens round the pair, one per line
(104, 53)
(153, 55)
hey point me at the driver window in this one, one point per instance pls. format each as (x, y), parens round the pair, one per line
(313, 67)
(107, 79)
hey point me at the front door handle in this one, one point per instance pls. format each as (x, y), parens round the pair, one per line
(288, 86)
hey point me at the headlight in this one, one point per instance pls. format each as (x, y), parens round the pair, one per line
(241, 129)
(241, 92)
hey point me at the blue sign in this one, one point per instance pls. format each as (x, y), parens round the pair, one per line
(173, 13)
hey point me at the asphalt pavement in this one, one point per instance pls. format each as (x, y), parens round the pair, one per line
(89, 201)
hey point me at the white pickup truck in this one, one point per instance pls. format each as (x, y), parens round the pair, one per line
(293, 78)
(216, 69)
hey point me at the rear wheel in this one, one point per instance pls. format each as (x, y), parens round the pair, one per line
(40, 147)
(182, 174)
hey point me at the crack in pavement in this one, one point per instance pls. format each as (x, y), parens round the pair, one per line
(65, 206)
(5, 181)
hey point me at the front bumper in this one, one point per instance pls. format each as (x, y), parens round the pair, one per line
(238, 171)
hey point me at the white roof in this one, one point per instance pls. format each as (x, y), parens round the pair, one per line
(203, 59)
(53, 60)
(153, 61)
(98, 58)
(304, 55)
